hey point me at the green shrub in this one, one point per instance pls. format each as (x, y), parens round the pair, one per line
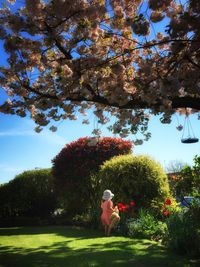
(5, 206)
(146, 226)
(183, 233)
(137, 178)
(29, 194)
(189, 182)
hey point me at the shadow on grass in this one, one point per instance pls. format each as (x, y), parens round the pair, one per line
(65, 231)
(105, 252)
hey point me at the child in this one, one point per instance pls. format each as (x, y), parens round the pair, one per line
(110, 216)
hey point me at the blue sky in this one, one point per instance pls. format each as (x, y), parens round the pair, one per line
(23, 149)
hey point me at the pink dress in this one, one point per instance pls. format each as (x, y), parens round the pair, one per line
(106, 211)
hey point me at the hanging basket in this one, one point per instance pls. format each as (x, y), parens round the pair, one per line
(189, 140)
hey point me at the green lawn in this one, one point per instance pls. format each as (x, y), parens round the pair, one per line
(68, 247)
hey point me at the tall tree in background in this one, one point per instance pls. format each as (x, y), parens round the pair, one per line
(189, 182)
(175, 166)
(124, 58)
(174, 169)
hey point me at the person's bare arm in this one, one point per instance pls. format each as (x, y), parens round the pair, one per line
(110, 206)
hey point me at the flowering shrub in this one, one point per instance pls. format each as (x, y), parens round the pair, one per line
(183, 231)
(127, 211)
(166, 204)
(170, 207)
(142, 224)
(126, 208)
(146, 226)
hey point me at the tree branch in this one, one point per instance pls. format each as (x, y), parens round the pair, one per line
(177, 102)
(186, 102)
(57, 43)
(43, 95)
(65, 20)
(192, 62)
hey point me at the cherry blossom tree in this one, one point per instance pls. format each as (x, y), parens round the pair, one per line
(124, 58)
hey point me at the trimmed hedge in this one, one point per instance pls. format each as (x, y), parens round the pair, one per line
(29, 194)
(138, 178)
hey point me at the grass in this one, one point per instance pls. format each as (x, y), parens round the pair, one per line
(76, 247)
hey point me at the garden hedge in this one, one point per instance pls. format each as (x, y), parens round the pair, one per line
(29, 194)
(138, 178)
(74, 170)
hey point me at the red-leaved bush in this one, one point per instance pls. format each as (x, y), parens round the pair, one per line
(81, 157)
(78, 160)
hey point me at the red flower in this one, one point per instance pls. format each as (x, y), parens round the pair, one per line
(122, 207)
(132, 204)
(166, 213)
(168, 201)
(125, 207)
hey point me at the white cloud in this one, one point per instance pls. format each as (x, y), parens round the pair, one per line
(46, 135)
(53, 138)
(16, 133)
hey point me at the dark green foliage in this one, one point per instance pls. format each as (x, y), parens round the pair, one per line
(183, 235)
(146, 226)
(74, 170)
(137, 178)
(30, 194)
(189, 183)
(184, 186)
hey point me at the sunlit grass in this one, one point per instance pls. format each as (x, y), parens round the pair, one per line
(68, 247)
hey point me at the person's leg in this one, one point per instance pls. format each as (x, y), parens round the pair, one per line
(106, 229)
(105, 225)
(114, 221)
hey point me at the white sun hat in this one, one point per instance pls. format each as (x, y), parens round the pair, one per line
(107, 194)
